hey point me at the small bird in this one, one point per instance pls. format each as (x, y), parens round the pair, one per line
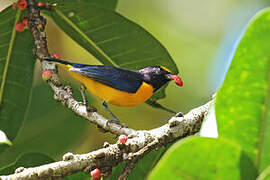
(118, 86)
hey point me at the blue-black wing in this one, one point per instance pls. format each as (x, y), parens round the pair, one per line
(118, 78)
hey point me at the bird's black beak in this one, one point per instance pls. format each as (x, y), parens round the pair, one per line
(176, 79)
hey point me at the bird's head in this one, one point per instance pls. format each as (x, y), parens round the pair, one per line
(157, 76)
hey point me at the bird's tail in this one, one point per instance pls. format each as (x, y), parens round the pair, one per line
(57, 60)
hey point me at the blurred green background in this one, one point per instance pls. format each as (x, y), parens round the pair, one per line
(200, 37)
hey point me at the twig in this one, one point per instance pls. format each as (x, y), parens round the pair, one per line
(138, 145)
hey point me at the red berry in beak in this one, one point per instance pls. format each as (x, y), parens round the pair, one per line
(176, 79)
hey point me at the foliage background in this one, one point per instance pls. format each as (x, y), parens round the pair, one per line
(199, 36)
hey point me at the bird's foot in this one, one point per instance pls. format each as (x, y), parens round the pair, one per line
(88, 108)
(82, 90)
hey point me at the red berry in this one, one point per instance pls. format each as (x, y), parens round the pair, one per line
(123, 138)
(40, 4)
(46, 75)
(48, 5)
(56, 56)
(25, 21)
(14, 5)
(20, 26)
(95, 173)
(177, 79)
(22, 4)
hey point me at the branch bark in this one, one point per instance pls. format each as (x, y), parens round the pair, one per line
(138, 145)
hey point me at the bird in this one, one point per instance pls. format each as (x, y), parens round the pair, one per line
(118, 86)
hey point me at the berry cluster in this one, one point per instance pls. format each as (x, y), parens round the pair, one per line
(22, 5)
(20, 26)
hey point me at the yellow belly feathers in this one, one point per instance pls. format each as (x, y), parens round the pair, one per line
(115, 96)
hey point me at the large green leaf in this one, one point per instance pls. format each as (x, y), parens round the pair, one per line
(16, 72)
(26, 160)
(265, 175)
(242, 104)
(78, 176)
(110, 37)
(197, 158)
(111, 4)
(48, 129)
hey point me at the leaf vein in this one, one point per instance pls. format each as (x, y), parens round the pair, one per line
(99, 28)
(7, 20)
(5, 33)
(141, 60)
(13, 104)
(12, 39)
(263, 120)
(90, 41)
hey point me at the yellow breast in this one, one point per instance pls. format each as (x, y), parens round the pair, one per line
(115, 96)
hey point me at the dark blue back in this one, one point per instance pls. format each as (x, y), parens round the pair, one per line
(118, 78)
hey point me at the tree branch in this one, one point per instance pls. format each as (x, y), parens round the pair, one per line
(138, 145)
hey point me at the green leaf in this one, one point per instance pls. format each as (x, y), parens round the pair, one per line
(111, 38)
(16, 72)
(78, 176)
(111, 4)
(265, 175)
(242, 104)
(159, 106)
(27, 160)
(197, 158)
(49, 128)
